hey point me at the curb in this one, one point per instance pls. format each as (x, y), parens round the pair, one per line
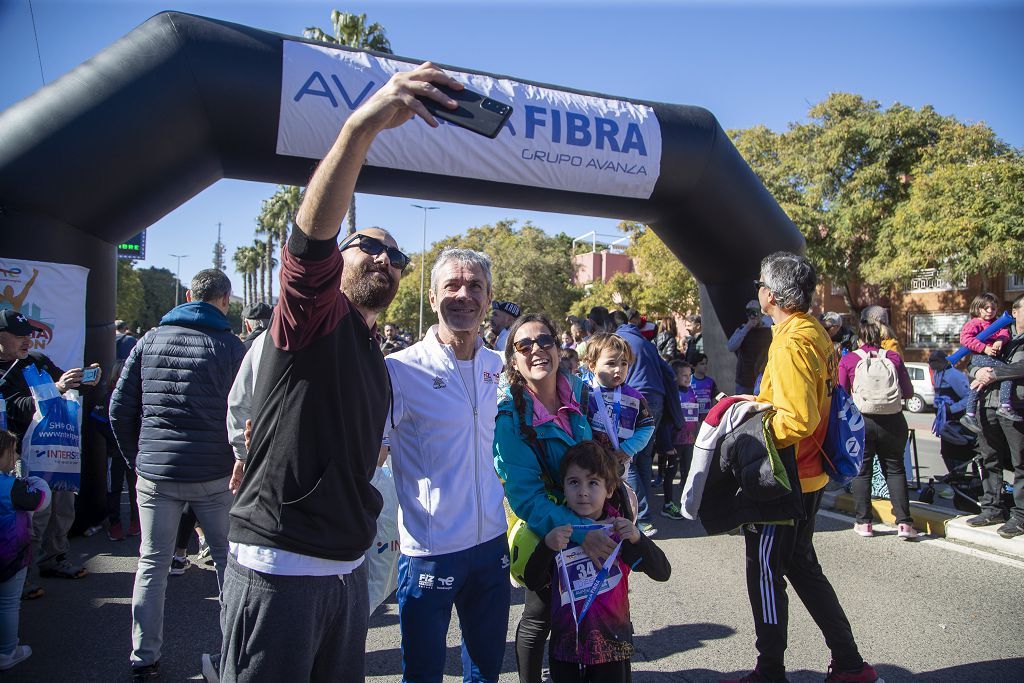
(937, 521)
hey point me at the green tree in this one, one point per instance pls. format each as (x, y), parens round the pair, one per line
(667, 286)
(130, 294)
(351, 30)
(276, 218)
(622, 289)
(158, 285)
(246, 264)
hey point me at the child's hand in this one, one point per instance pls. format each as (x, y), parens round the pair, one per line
(626, 530)
(998, 345)
(622, 457)
(558, 538)
(991, 350)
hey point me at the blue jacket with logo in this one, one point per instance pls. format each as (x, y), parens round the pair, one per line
(168, 411)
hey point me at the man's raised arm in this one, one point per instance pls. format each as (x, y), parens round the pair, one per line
(330, 189)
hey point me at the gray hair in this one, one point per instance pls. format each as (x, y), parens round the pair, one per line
(464, 256)
(791, 278)
(210, 285)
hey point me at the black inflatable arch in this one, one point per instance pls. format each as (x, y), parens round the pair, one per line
(183, 101)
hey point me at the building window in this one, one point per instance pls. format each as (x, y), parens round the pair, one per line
(1015, 282)
(930, 280)
(936, 330)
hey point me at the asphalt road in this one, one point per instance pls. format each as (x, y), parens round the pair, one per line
(919, 610)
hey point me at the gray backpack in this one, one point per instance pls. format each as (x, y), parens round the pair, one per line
(876, 384)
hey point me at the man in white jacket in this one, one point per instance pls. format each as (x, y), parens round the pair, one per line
(451, 519)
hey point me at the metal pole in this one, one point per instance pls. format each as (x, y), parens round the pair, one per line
(177, 277)
(423, 261)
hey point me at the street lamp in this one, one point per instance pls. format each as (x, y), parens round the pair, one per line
(423, 259)
(177, 281)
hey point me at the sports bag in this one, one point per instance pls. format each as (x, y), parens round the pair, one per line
(842, 452)
(876, 384)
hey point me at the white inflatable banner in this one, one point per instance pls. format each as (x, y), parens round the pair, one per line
(554, 139)
(52, 296)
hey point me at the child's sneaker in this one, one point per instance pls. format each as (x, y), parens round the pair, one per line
(865, 674)
(20, 654)
(179, 565)
(1007, 413)
(907, 532)
(672, 511)
(93, 530)
(647, 529)
(115, 532)
(971, 423)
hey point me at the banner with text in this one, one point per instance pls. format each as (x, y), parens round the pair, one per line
(554, 139)
(52, 296)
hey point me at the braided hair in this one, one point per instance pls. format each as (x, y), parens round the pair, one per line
(517, 383)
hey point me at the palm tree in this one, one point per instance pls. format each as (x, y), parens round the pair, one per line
(277, 214)
(351, 30)
(243, 265)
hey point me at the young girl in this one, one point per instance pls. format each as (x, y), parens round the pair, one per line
(703, 386)
(598, 648)
(682, 442)
(984, 310)
(18, 498)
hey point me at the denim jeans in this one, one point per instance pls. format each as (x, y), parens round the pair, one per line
(10, 604)
(160, 507)
(642, 472)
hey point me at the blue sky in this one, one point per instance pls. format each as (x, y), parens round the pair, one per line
(748, 62)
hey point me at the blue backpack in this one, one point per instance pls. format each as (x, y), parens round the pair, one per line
(843, 449)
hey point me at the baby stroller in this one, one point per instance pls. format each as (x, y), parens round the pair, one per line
(965, 478)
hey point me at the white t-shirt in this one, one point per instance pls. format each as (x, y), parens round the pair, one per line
(499, 343)
(283, 563)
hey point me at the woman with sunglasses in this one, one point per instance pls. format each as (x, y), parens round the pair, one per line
(539, 418)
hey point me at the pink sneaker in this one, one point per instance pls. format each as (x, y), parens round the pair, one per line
(865, 530)
(115, 532)
(866, 674)
(907, 532)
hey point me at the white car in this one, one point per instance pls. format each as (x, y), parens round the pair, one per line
(924, 393)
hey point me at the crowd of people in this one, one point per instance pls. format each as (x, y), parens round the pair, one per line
(518, 452)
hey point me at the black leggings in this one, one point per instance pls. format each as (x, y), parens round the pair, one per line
(531, 635)
(885, 436)
(186, 527)
(570, 672)
(681, 460)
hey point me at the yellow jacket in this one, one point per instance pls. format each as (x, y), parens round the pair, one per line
(798, 381)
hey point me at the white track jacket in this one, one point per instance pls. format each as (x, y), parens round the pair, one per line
(449, 496)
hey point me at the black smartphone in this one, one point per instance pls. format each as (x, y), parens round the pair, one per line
(475, 112)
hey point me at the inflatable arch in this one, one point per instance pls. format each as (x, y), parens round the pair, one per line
(183, 101)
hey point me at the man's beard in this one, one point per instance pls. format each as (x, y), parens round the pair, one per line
(369, 286)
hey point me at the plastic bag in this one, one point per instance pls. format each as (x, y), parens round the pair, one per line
(51, 448)
(382, 557)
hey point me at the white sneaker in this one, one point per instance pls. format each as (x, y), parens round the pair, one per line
(20, 654)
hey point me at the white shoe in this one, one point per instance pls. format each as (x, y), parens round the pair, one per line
(20, 654)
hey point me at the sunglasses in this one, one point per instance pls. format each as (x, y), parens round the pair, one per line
(373, 247)
(758, 285)
(543, 341)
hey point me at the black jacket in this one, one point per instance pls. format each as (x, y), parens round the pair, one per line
(21, 407)
(169, 408)
(741, 489)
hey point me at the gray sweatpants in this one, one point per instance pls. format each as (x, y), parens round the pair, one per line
(301, 628)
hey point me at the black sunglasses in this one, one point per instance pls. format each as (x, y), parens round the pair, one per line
(373, 246)
(544, 341)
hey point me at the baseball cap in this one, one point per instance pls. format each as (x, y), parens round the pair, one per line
(506, 306)
(257, 311)
(16, 323)
(937, 356)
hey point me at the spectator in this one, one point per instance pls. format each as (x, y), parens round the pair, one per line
(693, 338)
(843, 338)
(539, 418)
(952, 390)
(877, 314)
(655, 380)
(19, 498)
(878, 390)
(680, 456)
(255, 318)
(305, 512)
(123, 342)
(665, 339)
(49, 526)
(796, 382)
(567, 342)
(451, 514)
(118, 468)
(1002, 440)
(704, 386)
(750, 343)
(168, 414)
(600, 320)
(568, 361)
(502, 317)
(392, 340)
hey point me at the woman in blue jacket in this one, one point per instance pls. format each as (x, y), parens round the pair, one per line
(539, 418)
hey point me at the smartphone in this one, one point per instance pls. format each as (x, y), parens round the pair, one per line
(476, 112)
(90, 375)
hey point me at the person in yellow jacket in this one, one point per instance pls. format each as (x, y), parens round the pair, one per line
(797, 381)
